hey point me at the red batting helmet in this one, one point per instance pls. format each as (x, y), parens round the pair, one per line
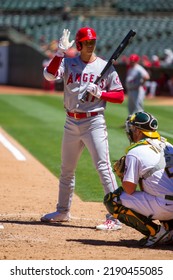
(83, 34)
(134, 58)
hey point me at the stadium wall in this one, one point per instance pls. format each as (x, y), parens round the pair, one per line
(25, 67)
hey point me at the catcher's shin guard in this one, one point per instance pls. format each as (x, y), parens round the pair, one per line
(108, 200)
(130, 217)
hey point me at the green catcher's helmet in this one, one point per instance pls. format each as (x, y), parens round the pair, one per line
(144, 121)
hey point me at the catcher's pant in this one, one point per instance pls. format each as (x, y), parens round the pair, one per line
(148, 205)
(90, 133)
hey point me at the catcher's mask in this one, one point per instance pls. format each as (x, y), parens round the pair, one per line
(145, 122)
(84, 34)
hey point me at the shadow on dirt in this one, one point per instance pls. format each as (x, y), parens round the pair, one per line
(57, 224)
(130, 243)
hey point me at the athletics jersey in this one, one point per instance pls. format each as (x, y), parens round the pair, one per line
(141, 159)
(77, 75)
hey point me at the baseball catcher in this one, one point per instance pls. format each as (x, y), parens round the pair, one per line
(148, 161)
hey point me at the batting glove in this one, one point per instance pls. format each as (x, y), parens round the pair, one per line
(94, 90)
(64, 43)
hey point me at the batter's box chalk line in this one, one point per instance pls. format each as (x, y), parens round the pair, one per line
(9, 146)
(1, 226)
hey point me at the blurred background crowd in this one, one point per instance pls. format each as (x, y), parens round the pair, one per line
(29, 31)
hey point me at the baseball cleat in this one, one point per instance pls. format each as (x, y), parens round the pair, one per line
(151, 241)
(110, 225)
(56, 217)
(168, 239)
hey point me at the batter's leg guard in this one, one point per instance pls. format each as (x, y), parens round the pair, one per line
(129, 217)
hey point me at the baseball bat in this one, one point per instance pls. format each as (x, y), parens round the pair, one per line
(113, 58)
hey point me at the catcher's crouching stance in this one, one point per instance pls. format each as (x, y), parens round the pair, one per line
(149, 164)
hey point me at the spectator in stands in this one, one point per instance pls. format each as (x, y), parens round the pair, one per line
(53, 46)
(162, 83)
(42, 43)
(155, 61)
(168, 59)
(66, 13)
(145, 61)
(135, 80)
(159, 86)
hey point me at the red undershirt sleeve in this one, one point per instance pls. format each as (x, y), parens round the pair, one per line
(113, 96)
(53, 66)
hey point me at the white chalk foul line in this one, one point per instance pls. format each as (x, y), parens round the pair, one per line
(17, 154)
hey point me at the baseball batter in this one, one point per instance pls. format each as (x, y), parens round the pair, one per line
(85, 123)
(135, 80)
(147, 163)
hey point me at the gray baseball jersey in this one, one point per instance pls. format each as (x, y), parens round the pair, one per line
(77, 75)
(134, 84)
(135, 77)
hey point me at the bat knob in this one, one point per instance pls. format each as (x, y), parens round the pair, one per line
(83, 98)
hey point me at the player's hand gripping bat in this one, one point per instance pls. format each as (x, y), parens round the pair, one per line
(113, 58)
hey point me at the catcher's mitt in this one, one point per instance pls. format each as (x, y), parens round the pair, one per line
(119, 167)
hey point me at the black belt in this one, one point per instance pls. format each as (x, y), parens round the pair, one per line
(79, 116)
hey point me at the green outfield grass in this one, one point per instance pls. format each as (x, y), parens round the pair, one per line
(37, 123)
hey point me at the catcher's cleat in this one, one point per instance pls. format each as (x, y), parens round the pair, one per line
(168, 240)
(143, 241)
(151, 241)
(56, 217)
(110, 224)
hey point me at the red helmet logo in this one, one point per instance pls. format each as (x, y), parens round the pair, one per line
(83, 34)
